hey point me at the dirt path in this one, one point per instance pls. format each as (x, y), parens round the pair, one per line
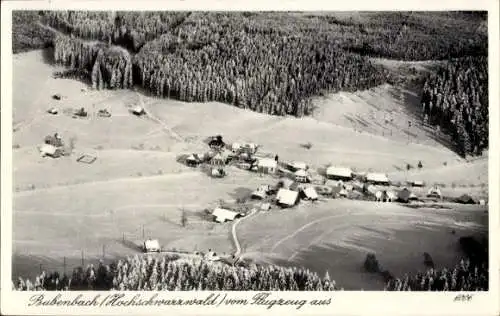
(235, 237)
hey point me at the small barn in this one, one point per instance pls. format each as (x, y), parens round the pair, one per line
(338, 173)
(223, 215)
(265, 206)
(138, 110)
(48, 150)
(287, 198)
(434, 192)
(301, 176)
(377, 178)
(152, 245)
(267, 165)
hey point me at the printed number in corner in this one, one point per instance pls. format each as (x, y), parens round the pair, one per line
(463, 298)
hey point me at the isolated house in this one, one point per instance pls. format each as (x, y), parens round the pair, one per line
(267, 165)
(48, 150)
(377, 178)
(301, 176)
(152, 245)
(222, 215)
(337, 173)
(287, 198)
(138, 110)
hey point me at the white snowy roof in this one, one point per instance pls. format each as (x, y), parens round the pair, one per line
(377, 177)
(137, 109)
(299, 165)
(287, 197)
(339, 172)
(151, 244)
(223, 214)
(267, 163)
(301, 173)
(311, 193)
(48, 149)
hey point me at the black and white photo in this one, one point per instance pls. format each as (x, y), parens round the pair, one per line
(250, 150)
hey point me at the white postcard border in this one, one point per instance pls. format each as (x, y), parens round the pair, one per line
(402, 303)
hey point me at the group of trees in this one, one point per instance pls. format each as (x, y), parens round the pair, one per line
(463, 277)
(456, 99)
(274, 62)
(108, 66)
(169, 273)
(27, 34)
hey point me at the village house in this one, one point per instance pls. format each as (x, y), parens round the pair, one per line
(301, 176)
(310, 193)
(377, 178)
(222, 215)
(434, 192)
(337, 173)
(287, 198)
(297, 165)
(267, 165)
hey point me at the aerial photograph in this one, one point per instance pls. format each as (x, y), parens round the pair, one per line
(250, 150)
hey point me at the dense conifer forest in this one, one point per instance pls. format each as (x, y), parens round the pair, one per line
(271, 62)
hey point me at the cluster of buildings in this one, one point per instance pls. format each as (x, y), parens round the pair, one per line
(296, 180)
